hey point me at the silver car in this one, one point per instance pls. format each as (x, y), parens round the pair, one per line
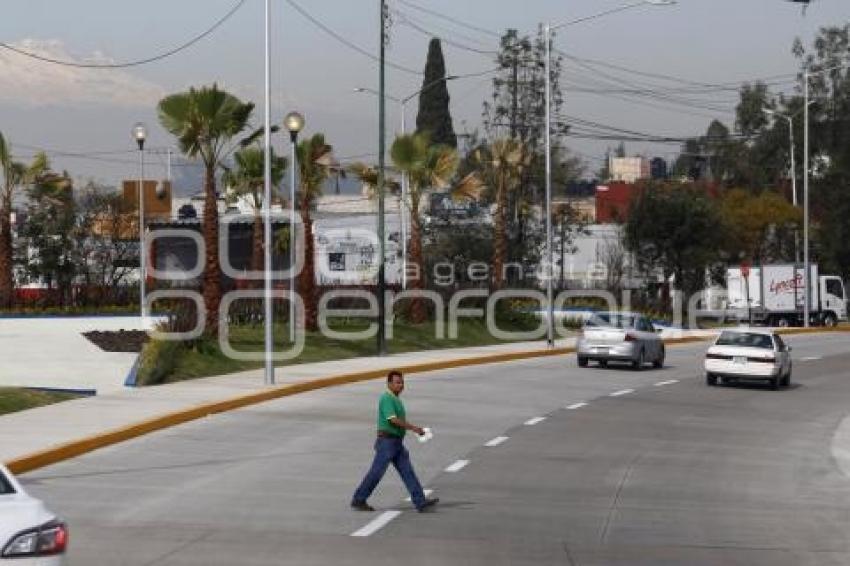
(620, 337)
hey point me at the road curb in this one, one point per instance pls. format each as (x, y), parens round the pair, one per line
(74, 448)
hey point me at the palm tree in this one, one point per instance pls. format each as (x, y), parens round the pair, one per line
(204, 121)
(502, 164)
(15, 176)
(314, 165)
(428, 167)
(248, 179)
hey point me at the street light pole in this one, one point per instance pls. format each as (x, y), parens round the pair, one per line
(382, 344)
(806, 268)
(140, 134)
(547, 38)
(267, 200)
(550, 314)
(294, 122)
(403, 207)
(794, 198)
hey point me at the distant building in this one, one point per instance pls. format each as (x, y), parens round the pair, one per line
(628, 169)
(658, 168)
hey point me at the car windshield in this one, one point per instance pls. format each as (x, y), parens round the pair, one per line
(745, 340)
(612, 319)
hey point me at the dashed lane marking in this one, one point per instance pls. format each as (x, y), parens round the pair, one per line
(575, 406)
(622, 392)
(534, 421)
(457, 466)
(496, 441)
(377, 524)
(668, 382)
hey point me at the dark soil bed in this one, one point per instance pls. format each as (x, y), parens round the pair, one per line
(129, 341)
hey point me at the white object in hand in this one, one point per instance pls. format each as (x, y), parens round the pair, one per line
(428, 435)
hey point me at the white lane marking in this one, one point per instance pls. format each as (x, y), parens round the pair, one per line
(622, 392)
(377, 524)
(427, 492)
(534, 421)
(811, 358)
(668, 382)
(575, 406)
(496, 441)
(457, 466)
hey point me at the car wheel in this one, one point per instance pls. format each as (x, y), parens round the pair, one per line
(774, 383)
(637, 364)
(582, 362)
(659, 363)
(710, 379)
(603, 363)
(787, 381)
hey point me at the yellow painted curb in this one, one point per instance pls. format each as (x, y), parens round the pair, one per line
(76, 448)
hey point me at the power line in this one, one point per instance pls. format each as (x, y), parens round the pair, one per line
(449, 19)
(406, 20)
(316, 22)
(145, 61)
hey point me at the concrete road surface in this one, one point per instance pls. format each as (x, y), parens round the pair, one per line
(647, 467)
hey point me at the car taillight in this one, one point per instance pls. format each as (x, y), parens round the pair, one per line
(718, 357)
(769, 360)
(630, 337)
(46, 540)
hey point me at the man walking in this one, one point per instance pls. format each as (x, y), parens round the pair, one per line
(389, 448)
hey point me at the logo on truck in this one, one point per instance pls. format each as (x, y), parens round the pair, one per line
(787, 285)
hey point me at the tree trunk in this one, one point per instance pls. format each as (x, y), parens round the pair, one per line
(418, 310)
(7, 283)
(212, 268)
(500, 245)
(258, 250)
(307, 277)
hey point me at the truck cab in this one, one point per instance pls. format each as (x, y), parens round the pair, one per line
(833, 300)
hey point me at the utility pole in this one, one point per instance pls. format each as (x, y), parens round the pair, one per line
(807, 291)
(515, 91)
(382, 344)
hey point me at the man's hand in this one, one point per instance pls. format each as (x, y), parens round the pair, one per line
(419, 430)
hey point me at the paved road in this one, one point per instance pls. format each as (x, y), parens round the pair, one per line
(665, 474)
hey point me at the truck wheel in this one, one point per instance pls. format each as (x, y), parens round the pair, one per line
(830, 320)
(582, 362)
(710, 379)
(783, 322)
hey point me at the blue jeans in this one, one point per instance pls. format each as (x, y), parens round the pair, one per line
(390, 451)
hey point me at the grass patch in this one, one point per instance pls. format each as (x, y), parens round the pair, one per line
(168, 362)
(13, 399)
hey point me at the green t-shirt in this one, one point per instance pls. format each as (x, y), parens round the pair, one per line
(388, 407)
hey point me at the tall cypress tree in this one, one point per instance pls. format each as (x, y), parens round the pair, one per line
(434, 116)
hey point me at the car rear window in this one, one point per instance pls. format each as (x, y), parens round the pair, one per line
(5, 485)
(745, 340)
(611, 320)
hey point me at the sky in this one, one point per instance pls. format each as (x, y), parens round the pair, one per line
(69, 110)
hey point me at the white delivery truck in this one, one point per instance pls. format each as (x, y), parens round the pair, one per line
(774, 295)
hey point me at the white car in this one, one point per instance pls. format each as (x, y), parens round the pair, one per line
(749, 354)
(30, 534)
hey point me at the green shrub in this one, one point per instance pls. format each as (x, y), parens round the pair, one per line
(158, 361)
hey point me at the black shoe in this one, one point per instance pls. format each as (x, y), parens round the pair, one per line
(428, 504)
(361, 506)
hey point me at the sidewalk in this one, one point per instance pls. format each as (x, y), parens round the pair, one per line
(36, 430)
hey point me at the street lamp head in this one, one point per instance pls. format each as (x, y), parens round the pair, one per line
(294, 122)
(140, 134)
